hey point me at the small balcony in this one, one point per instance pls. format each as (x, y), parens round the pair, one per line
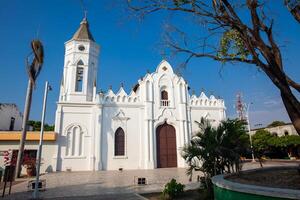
(164, 103)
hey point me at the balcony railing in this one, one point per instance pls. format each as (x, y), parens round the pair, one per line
(164, 103)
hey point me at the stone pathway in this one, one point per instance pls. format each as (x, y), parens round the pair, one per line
(104, 184)
(113, 184)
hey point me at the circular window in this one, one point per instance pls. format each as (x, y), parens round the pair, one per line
(81, 48)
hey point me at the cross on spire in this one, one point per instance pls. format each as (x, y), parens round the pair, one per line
(85, 13)
(84, 9)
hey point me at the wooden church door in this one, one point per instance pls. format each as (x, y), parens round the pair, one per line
(166, 146)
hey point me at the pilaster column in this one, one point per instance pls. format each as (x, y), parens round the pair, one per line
(151, 145)
(98, 139)
(93, 126)
(147, 145)
(185, 132)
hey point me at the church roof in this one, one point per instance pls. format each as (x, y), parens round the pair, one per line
(83, 32)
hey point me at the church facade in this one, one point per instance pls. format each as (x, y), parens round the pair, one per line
(144, 129)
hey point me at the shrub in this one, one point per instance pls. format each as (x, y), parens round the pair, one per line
(173, 189)
(216, 150)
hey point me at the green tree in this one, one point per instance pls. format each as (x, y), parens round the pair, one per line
(289, 144)
(289, 141)
(276, 123)
(244, 30)
(36, 126)
(264, 144)
(48, 127)
(216, 150)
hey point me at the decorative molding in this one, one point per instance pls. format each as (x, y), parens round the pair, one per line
(166, 115)
(120, 157)
(82, 128)
(120, 116)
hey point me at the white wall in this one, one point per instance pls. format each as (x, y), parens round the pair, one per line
(210, 108)
(7, 111)
(279, 130)
(48, 153)
(138, 114)
(71, 115)
(129, 119)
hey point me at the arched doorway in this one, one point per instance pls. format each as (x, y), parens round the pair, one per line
(166, 146)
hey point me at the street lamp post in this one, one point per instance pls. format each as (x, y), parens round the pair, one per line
(249, 129)
(36, 188)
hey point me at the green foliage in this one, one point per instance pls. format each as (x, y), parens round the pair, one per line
(287, 141)
(232, 45)
(264, 140)
(217, 150)
(173, 189)
(261, 141)
(265, 143)
(36, 125)
(276, 123)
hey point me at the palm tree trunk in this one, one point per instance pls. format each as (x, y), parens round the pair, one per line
(24, 128)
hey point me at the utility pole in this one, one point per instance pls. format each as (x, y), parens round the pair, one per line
(240, 107)
(36, 188)
(249, 131)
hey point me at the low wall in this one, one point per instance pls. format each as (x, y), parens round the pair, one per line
(48, 153)
(228, 190)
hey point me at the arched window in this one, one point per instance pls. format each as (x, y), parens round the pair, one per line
(74, 141)
(164, 95)
(80, 62)
(119, 142)
(164, 98)
(148, 91)
(286, 132)
(274, 134)
(79, 76)
(182, 92)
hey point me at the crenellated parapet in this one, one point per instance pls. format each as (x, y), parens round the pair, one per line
(204, 101)
(121, 97)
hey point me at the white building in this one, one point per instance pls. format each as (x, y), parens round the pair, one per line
(282, 130)
(144, 129)
(10, 117)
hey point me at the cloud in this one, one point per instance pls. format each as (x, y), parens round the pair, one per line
(267, 116)
(272, 102)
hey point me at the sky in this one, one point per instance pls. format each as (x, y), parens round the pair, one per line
(130, 47)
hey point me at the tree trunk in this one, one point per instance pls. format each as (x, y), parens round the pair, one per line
(293, 113)
(290, 102)
(260, 162)
(24, 128)
(296, 13)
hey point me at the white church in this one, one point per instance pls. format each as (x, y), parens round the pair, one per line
(144, 129)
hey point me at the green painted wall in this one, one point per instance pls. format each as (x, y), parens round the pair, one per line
(224, 194)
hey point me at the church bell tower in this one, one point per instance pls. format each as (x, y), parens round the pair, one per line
(80, 66)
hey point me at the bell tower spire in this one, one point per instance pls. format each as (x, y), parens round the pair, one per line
(80, 68)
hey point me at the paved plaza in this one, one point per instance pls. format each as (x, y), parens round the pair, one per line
(113, 184)
(105, 183)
